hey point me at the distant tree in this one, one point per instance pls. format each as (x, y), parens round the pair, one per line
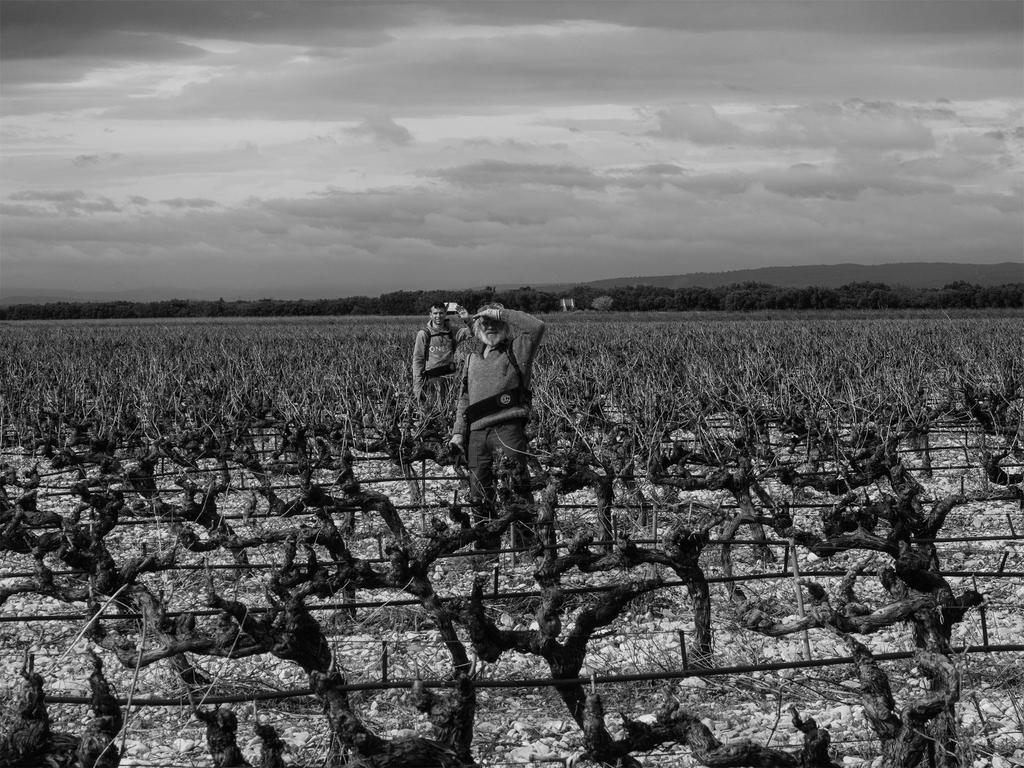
(742, 297)
(398, 303)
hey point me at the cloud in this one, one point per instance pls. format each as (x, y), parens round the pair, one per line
(194, 202)
(347, 62)
(382, 129)
(12, 134)
(65, 202)
(899, 18)
(804, 181)
(498, 172)
(853, 125)
(840, 126)
(88, 160)
(657, 170)
(254, 147)
(972, 143)
(699, 123)
(59, 196)
(111, 28)
(34, 42)
(475, 231)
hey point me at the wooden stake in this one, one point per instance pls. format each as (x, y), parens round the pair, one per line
(799, 596)
(984, 622)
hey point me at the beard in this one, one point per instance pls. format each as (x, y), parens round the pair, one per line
(492, 337)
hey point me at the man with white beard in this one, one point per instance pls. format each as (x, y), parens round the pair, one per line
(494, 405)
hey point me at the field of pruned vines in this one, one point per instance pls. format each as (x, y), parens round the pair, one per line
(760, 542)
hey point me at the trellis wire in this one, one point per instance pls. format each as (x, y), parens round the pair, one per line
(547, 682)
(497, 597)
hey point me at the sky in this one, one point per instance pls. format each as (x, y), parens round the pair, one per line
(295, 149)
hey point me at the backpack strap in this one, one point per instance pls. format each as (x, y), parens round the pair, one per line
(515, 364)
(519, 372)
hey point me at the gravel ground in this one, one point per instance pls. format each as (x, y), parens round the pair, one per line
(528, 727)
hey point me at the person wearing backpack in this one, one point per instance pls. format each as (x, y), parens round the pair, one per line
(494, 405)
(433, 356)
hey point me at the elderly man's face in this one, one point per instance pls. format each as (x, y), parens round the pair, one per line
(491, 331)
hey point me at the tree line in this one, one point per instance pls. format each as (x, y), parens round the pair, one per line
(740, 297)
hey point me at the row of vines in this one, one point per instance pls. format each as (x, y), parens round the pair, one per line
(766, 543)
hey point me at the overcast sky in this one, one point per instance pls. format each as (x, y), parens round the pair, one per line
(317, 149)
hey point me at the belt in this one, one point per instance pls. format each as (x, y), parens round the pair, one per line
(507, 399)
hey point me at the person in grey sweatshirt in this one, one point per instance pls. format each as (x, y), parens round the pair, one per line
(433, 357)
(494, 405)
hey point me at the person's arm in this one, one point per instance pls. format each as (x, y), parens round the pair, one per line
(419, 362)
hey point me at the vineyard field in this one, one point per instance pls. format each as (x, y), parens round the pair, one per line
(792, 540)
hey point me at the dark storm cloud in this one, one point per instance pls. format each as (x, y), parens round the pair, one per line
(482, 74)
(32, 43)
(892, 17)
(697, 46)
(54, 42)
(298, 21)
(489, 74)
(112, 28)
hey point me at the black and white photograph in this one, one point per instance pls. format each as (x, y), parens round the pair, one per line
(511, 383)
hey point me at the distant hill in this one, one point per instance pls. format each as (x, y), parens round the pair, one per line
(922, 274)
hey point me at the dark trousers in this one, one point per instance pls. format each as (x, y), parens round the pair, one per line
(483, 453)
